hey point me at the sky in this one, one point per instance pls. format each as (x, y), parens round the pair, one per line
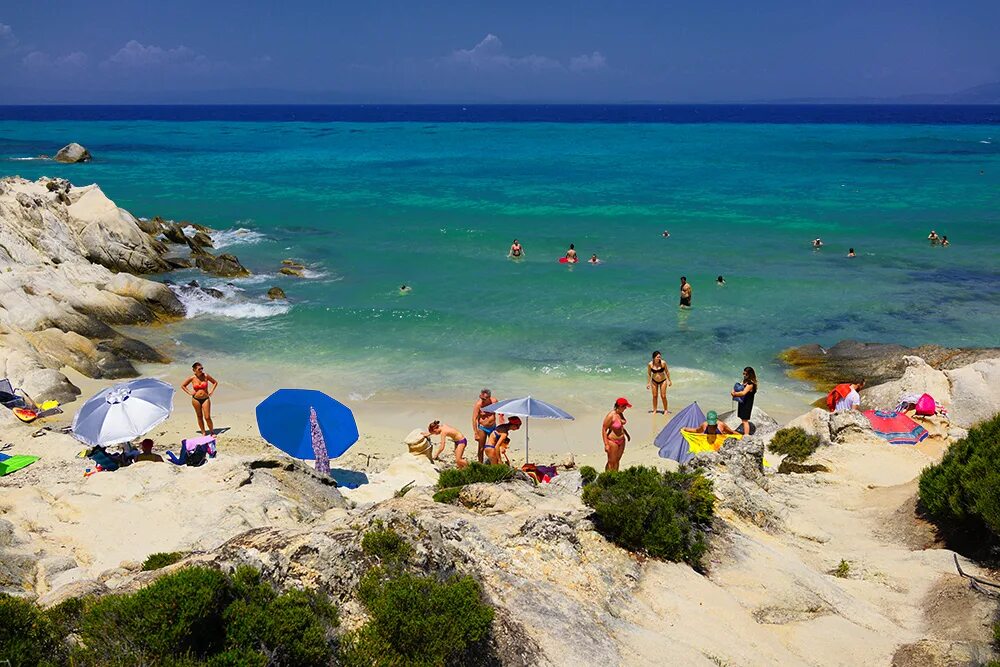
(584, 51)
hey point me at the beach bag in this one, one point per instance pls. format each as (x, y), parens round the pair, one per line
(738, 387)
(198, 456)
(926, 405)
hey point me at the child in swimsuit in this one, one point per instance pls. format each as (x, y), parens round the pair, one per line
(498, 442)
(446, 431)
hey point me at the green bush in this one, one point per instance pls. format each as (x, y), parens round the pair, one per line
(588, 473)
(161, 559)
(662, 514)
(447, 495)
(473, 473)
(794, 443)
(417, 620)
(66, 615)
(385, 544)
(27, 636)
(960, 494)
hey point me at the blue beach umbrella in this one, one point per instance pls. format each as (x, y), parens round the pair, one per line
(307, 424)
(528, 407)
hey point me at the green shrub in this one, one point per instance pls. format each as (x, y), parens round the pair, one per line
(161, 559)
(588, 473)
(473, 473)
(662, 514)
(385, 544)
(66, 615)
(27, 636)
(842, 570)
(417, 620)
(447, 495)
(960, 494)
(794, 443)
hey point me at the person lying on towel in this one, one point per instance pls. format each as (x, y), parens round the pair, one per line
(712, 426)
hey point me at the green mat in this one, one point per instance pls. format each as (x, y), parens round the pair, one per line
(14, 463)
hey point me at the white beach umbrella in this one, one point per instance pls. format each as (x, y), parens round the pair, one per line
(528, 407)
(123, 412)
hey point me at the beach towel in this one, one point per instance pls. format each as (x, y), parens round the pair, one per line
(9, 464)
(896, 427)
(193, 443)
(839, 393)
(701, 442)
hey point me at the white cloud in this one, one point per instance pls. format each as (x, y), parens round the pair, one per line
(595, 62)
(136, 55)
(42, 60)
(489, 54)
(8, 40)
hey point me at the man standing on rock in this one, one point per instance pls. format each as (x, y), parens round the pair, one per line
(483, 423)
(685, 292)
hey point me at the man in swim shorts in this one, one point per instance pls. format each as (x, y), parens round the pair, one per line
(483, 423)
(685, 292)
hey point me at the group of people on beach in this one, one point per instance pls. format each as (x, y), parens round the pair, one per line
(492, 433)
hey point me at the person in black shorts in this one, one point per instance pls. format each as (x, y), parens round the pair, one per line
(745, 397)
(685, 292)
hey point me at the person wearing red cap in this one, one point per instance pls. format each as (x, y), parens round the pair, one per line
(499, 441)
(615, 434)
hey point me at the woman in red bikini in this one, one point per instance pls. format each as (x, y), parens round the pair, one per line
(201, 396)
(615, 434)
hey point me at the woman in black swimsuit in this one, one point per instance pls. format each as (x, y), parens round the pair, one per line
(748, 393)
(658, 379)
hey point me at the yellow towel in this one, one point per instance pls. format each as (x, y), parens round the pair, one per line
(700, 442)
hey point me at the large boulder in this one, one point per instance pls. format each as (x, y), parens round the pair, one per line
(974, 394)
(918, 378)
(111, 236)
(224, 265)
(73, 153)
(761, 422)
(814, 422)
(847, 423)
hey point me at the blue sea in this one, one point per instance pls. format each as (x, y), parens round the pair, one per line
(373, 197)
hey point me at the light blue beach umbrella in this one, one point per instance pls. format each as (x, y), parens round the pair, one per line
(123, 412)
(307, 424)
(528, 407)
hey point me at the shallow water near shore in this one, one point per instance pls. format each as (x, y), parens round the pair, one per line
(370, 206)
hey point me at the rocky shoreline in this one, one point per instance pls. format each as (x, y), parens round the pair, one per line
(71, 267)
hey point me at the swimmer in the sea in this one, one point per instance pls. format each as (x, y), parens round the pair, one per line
(720, 281)
(850, 253)
(593, 259)
(571, 255)
(933, 237)
(666, 234)
(944, 242)
(817, 243)
(404, 289)
(516, 251)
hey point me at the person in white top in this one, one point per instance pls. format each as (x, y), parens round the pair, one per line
(853, 399)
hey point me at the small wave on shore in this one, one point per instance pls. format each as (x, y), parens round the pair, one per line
(232, 304)
(236, 236)
(37, 158)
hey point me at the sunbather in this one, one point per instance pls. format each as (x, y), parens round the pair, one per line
(147, 452)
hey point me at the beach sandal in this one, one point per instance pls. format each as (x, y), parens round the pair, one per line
(40, 432)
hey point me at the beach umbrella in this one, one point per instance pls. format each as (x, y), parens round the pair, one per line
(528, 407)
(307, 424)
(896, 427)
(671, 441)
(123, 412)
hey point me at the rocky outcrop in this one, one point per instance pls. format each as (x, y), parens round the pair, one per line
(73, 153)
(224, 265)
(275, 293)
(918, 378)
(974, 392)
(851, 360)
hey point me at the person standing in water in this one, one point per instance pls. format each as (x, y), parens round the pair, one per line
(933, 237)
(944, 242)
(593, 259)
(658, 379)
(817, 243)
(201, 396)
(720, 281)
(850, 253)
(516, 251)
(685, 292)
(436, 428)
(614, 434)
(571, 255)
(483, 423)
(745, 396)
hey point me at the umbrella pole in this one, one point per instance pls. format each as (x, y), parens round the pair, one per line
(527, 439)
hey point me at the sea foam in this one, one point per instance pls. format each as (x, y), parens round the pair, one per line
(231, 305)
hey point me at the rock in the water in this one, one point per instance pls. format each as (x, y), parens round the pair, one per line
(73, 153)
(974, 392)
(202, 240)
(276, 293)
(224, 265)
(289, 271)
(173, 233)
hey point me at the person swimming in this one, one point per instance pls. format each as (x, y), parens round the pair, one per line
(571, 255)
(817, 243)
(516, 251)
(404, 289)
(933, 237)
(666, 234)
(720, 281)
(944, 241)
(850, 253)
(593, 259)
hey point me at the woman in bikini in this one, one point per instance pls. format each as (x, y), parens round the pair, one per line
(201, 396)
(516, 251)
(615, 434)
(445, 431)
(499, 441)
(658, 379)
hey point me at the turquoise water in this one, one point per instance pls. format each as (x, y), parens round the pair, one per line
(368, 206)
